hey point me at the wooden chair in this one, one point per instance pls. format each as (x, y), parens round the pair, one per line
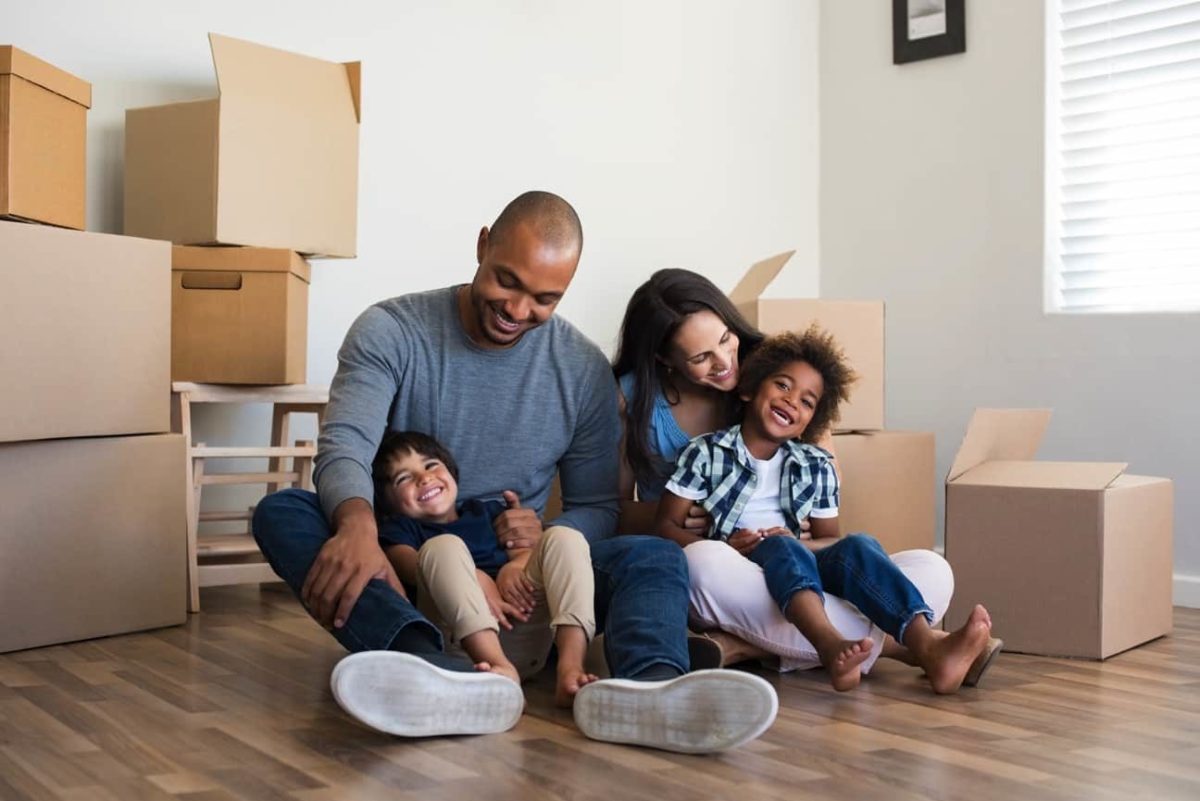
(215, 560)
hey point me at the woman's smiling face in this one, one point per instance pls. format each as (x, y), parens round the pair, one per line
(704, 351)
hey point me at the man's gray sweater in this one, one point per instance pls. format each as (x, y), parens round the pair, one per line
(511, 417)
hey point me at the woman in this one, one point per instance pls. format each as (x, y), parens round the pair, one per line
(681, 346)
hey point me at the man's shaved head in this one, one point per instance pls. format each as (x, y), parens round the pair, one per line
(548, 216)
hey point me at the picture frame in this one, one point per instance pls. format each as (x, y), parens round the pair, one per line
(924, 29)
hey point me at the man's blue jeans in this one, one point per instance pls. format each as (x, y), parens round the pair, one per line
(641, 589)
(855, 568)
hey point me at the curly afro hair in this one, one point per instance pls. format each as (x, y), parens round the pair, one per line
(817, 348)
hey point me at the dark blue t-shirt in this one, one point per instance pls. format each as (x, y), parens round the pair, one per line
(474, 527)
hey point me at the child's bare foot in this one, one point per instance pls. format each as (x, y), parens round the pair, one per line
(570, 679)
(950, 657)
(505, 669)
(844, 662)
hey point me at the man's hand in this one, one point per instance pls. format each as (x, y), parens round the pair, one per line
(516, 587)
(345, 564)
(744, 540)
(698, 520)
(501, 609)
(517, 527)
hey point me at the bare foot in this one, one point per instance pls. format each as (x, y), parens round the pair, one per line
(844, 662)
(505, 669)
(570, 679)
(950, 657)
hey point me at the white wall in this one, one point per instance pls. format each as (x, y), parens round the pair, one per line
(931, 198)
(684, 131)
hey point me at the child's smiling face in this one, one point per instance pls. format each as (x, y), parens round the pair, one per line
(421, 487)
(785, 401)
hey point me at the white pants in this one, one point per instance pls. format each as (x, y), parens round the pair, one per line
(728, 592)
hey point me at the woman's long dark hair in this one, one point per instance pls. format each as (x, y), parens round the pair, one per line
(653, 315)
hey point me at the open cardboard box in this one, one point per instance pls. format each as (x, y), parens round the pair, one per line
(43, 141)
(857, 326)
(271, 162)
(239, 315)
(1070, 558)
(86, 324)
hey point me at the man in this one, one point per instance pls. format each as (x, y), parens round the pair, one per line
(516, 395)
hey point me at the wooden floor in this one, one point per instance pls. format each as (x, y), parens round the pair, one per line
(236, 705)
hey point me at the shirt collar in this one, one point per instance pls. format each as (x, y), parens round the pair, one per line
(731, 439)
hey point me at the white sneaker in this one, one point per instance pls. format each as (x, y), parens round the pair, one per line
(697, 713)
(404, 695)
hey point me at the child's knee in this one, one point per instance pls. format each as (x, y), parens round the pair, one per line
(442, 547)
(861, 545)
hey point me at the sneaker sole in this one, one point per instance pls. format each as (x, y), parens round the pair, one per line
(697, 713)
(404, 695)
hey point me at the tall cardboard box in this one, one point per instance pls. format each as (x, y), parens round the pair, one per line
(857, 325)
(1070, 558)
(85, 322)
(888, 487)
(239, 315)
(43, 141)
(271, 162)
(92, 538)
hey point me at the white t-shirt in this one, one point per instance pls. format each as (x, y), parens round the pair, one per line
(763, 510)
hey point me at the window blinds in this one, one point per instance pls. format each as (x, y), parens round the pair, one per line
(1123, 156)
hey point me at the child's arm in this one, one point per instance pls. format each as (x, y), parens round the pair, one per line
(671, 521)
(514, 586)
(404, 562)
(500, 608)
(825, 532)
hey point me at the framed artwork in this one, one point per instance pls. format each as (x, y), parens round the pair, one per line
(927, 28)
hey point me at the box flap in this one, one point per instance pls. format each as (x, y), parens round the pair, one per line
(281, 78)
(758, 278)
(999, 434)
(1043, 475)
(354, 75)
(238, 259)
(14, 61)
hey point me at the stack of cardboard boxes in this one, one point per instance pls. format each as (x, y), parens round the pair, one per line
(91, 487)
(243, 184)
(888, 477)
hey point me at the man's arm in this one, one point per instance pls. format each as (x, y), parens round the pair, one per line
(589, 469)
(359, 401)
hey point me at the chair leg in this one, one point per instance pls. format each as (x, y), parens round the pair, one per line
(280, 416)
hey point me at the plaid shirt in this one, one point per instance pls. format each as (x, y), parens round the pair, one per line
(717, 471)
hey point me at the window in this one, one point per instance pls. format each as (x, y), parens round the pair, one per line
(1123, 155)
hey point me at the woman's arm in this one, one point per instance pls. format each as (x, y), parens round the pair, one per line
(637, 517)
(672, 520)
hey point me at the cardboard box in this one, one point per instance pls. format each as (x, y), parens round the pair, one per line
(1070, 558)
(272, 162)
(857, 326)
(86, 323)
(92, 538)
(43, 141)
(888, 487)
(239, 315)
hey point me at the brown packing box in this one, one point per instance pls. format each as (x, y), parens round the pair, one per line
(43, 141)
(1070, 558)
(857, 326)
(239, 315)
(86, 324)
(888, 487)
(92, 538)
(272, 162)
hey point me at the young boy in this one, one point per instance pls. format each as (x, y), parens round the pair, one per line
(470, 585)
(760, 479)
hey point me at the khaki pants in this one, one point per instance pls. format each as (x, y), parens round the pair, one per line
(448, 593)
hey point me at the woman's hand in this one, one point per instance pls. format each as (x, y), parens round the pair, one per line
(501, 609)
(698, 521)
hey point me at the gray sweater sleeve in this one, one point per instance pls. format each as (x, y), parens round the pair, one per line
(588, 470)
(360, 398)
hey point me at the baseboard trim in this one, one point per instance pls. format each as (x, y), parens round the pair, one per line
(1187, 591)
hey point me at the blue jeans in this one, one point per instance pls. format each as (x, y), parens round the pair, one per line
(641, 589)
(855, 568)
